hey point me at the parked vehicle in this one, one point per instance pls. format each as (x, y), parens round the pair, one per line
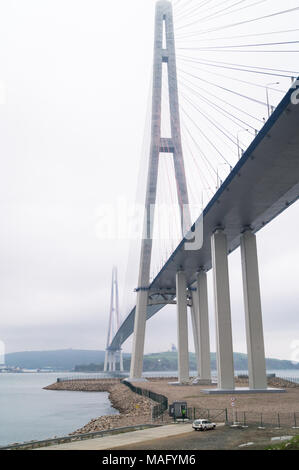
(203, 425)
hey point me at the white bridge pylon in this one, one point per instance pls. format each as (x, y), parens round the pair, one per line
(111, 357)
(195, 295)
(164, 53)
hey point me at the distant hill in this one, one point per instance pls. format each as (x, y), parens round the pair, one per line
(64, 359)
(167, 361)
(88, 360)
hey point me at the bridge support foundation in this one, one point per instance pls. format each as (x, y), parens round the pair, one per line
(182, 325)
(253, 312)
(224, 343)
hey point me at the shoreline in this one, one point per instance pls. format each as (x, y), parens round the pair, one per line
(133, 409)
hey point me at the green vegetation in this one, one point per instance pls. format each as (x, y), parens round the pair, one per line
(292, 444)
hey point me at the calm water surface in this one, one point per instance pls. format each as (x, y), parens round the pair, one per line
(27, 412)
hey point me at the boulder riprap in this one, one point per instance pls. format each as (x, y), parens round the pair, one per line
(134, 409)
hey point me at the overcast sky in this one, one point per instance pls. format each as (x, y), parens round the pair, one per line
(76, 78)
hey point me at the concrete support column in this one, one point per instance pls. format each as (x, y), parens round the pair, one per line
(109, 362)
(224, 343)
(121, 362)
(253, 312)
(139, 335)
(106, 360)
(203, 330)
(182, 325)
(194, 318)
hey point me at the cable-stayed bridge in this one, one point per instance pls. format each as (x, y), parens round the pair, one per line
(259, 186)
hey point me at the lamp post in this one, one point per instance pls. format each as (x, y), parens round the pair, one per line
(219, 181)
(238, 142)
(267, 94)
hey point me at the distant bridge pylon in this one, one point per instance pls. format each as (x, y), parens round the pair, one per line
(111, 357)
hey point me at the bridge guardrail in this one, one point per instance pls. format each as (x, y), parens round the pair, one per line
(76, 437)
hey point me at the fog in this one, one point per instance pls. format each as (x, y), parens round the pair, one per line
(75, 77)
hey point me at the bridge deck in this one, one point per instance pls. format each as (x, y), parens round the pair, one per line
(262, 185)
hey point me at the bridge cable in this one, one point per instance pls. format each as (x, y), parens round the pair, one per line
(226, 102)
(222, 110)
(240, 23)
(227, 89)
(215, 16)
(258, 85)
(258, 72)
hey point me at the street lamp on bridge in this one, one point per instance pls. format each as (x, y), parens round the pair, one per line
(240, 150)
(219, 181)
(267, 94)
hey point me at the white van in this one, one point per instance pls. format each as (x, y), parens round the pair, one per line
(203, 425)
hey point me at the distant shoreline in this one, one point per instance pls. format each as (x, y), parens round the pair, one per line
(93, 360)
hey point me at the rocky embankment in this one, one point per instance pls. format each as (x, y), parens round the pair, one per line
(133, 409)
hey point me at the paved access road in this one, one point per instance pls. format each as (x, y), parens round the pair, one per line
(133, 438)
(223, 438)
(180, 437)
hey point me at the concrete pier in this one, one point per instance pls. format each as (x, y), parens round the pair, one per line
(203, 331)
(194, 319)
(121, 361)
(182, 325)
(253, 312)
(106, 360)
(224, 342)
(139, 335)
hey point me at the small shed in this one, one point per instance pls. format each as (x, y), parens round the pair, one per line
(178, 409)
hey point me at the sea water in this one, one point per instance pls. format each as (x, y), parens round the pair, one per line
(27, 412)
